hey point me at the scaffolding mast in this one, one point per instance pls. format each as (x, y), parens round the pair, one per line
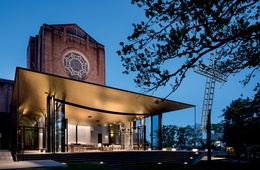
(212, 75)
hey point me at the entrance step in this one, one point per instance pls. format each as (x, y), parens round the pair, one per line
(5, 155)
(117, 157)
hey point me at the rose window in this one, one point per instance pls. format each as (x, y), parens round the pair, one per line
(76, 65)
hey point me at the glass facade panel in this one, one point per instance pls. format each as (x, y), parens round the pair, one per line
(114, 134)
(155, 132)
(30, 138)
(56, 125)
(139, 135)
(60, 127)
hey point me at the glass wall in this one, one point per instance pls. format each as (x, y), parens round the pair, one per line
(156, 132)
(28, 133)
(114, 137)
(59, 127)
(56, 125)
(139, 135)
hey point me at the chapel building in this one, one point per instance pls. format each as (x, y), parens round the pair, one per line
(60, 102)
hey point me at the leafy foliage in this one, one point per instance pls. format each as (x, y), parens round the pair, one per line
(242, 123)
(169, 134)
(178, 34)
(187, 137)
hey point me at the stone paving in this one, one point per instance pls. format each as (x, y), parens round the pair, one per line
(31, 164)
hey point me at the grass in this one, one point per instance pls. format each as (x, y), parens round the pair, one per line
(203, 165)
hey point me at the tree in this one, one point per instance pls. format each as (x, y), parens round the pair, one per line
(178, 34)
(185, 137)
(169, 133)
(216, 135)
(216, 128)
(242, 124)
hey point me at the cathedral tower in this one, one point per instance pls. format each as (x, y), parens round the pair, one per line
(68, 51)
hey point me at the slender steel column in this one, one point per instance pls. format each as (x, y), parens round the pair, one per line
(209, 138)
(145, 143)
(130, 136)
(151, 133)
(52, 113)
(160, 131)
(76, 133)
(67, 137)
(63, 127)
(50, 124)
(48, 134)
(143, 126)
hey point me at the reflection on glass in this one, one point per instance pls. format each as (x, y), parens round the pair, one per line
(154, 132)
(59, 127)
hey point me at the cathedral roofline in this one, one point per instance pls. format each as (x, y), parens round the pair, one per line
(72, 24)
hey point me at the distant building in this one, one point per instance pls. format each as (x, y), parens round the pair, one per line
(60, 102)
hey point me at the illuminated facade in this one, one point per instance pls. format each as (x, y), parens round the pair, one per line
(60, 102)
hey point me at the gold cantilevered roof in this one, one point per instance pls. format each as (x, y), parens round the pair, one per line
(85, 103)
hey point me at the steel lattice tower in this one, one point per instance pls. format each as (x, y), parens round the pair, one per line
(212, 76)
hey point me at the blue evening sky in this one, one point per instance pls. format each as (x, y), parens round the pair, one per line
(109, 22)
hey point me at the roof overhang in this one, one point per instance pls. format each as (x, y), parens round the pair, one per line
(86, 103)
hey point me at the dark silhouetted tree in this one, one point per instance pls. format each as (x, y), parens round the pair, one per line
(185, 137)
(169, 135)
(176, 35)
(242, 124)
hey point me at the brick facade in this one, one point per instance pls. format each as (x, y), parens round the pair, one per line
(6, 91)
(46, 51)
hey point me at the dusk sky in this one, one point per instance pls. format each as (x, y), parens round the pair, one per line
(109, 22)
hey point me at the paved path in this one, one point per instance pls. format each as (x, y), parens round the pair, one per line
(31, 164)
